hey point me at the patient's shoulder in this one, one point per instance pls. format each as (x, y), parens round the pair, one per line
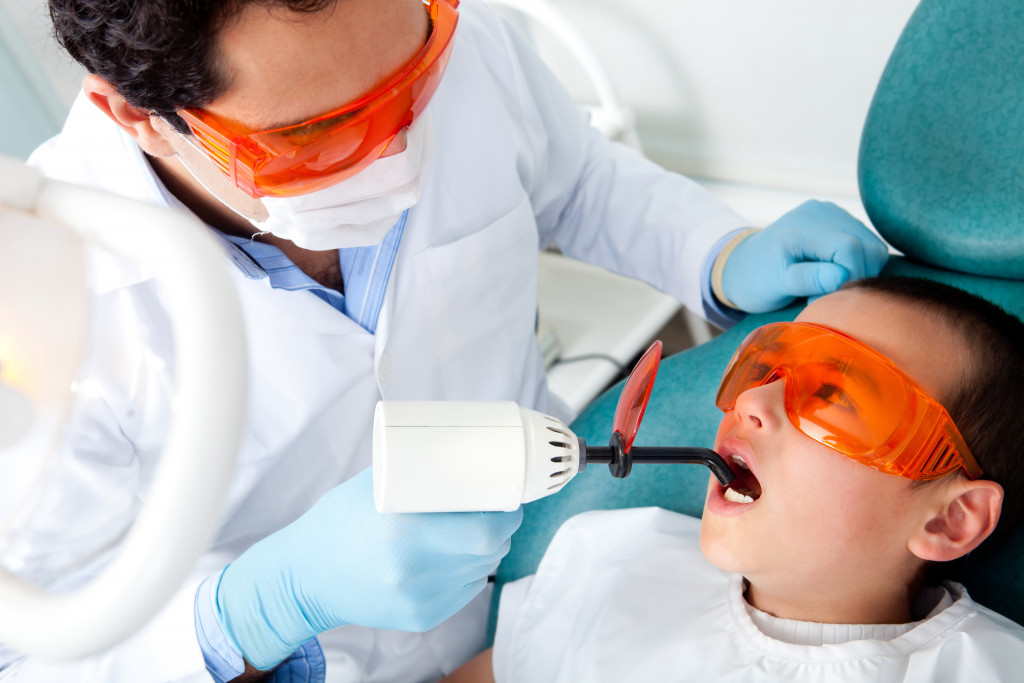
(990, 626)
(971, 639)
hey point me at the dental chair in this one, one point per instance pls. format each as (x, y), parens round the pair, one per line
(941, 174)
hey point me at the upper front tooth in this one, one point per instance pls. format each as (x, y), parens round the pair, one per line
(739, 461)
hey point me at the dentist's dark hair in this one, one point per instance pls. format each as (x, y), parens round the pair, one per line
(985, 402)
(160, 55)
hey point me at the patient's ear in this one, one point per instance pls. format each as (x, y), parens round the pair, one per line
(965, 514)
(137, 123)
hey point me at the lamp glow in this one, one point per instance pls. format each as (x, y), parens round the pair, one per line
(47, 229)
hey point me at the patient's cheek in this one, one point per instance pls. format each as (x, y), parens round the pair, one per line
(726, 423)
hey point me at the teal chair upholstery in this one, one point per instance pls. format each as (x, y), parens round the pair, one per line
(942, 177)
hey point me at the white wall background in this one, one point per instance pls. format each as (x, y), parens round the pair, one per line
(32, 20)
(766, 92)
(37, 80)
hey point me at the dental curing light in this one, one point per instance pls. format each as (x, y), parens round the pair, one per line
(50, 234)
(452, 456)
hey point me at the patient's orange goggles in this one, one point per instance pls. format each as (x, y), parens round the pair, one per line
(323, 151)
(850, 398)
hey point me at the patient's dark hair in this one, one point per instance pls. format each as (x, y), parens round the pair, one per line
(986, 403)
(160, 55)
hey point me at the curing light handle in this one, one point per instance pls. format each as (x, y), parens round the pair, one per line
(620, 461)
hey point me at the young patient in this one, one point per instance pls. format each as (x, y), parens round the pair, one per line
(816, 566)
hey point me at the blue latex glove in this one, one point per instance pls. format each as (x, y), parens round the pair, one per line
(810, 251)
(344, 563)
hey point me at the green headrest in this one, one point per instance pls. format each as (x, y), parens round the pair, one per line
(682, 412)
(942, 150)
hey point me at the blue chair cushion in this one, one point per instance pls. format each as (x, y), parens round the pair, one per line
(941, 165)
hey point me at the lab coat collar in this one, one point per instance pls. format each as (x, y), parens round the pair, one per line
(93, 150)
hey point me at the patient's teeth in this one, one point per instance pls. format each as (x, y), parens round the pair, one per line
(740, 461)
(737, 497)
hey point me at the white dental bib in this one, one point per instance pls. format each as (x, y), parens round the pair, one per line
(625, 595)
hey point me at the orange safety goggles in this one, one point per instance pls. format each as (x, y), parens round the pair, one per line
(323, 151)
(847, 396)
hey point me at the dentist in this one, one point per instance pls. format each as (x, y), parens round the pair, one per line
(382, 174)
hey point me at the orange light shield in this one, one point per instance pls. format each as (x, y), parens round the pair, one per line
(620, 454)
(845, 395)
(637, 391)
(323, 151)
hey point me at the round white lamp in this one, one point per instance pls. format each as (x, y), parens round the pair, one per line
(45, 229)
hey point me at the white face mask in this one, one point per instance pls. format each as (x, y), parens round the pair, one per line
(358, 211)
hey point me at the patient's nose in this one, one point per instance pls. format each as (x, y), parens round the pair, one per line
(764, 406)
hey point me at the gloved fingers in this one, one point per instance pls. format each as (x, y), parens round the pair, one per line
(858, 250)
(832, 234)
(485, 566)
(831, 246)
(458, 578)
(342, 562)
(477, 533)
(469, 569)
(504, 524)
(814, 278)
(473, 533)
(468, 591)
(815, 212)
(876, 257)
(459, 570)
(429, 611)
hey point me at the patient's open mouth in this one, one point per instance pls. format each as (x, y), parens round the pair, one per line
(745, 488)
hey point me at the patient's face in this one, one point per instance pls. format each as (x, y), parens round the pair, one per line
(824, 525)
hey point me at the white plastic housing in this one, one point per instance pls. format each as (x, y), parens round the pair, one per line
(184, 501)
(456, 456)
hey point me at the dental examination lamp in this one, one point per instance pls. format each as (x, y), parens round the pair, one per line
(50, 235)
(452, 456)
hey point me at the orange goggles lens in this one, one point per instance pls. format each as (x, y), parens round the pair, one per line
(321, 152)
(850, 398)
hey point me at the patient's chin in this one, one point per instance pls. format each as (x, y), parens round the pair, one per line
(719, 549)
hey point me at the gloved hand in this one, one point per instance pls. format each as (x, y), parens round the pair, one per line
(344, 563)
(809, 251)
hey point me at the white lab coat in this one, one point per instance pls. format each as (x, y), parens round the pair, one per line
(517, 168)
(625, 595)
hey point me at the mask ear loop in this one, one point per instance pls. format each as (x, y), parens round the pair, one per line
(187, 139)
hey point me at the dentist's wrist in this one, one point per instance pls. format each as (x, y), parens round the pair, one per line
(718, 269)
(261, 626)
(223, 660)
(223, 654)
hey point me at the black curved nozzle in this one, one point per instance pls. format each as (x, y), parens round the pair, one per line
(620, 461)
